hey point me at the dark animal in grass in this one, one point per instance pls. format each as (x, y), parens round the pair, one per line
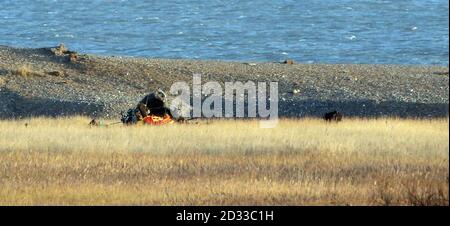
(94, 123)
(333, 116)
(156, 103)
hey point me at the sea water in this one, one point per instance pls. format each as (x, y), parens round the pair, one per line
(313, 31)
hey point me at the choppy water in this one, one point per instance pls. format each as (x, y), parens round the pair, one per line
(312, 31)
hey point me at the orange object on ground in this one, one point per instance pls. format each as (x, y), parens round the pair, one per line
(156, 120)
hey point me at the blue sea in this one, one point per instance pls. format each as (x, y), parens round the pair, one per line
(310, 31)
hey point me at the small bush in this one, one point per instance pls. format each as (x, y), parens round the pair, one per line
(26, 72)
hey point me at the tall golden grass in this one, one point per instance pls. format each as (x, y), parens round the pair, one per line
(300, 162)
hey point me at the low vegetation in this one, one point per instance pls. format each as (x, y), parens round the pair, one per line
(27, 71)
(300, 162)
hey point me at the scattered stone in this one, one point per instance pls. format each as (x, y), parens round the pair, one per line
(56, 73)
(289, 61)
(62, 50)
(440, 72)
(92, 88)
(73, 57)
(59, 50)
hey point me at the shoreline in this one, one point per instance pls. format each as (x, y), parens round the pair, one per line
(42, 82)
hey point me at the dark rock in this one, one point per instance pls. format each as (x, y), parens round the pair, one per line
(289, 61)
(59, 50)
(73, 57)
(56, 73)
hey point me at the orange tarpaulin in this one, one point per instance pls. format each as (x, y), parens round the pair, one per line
(156, 120)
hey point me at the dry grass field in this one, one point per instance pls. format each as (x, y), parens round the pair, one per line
(300, 162)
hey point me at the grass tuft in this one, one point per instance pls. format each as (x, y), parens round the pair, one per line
(26, 72)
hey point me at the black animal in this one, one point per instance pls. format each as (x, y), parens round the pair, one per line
(143, 109)
(93, 123)
(152, 104)
(156, 103)
(333, 116)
